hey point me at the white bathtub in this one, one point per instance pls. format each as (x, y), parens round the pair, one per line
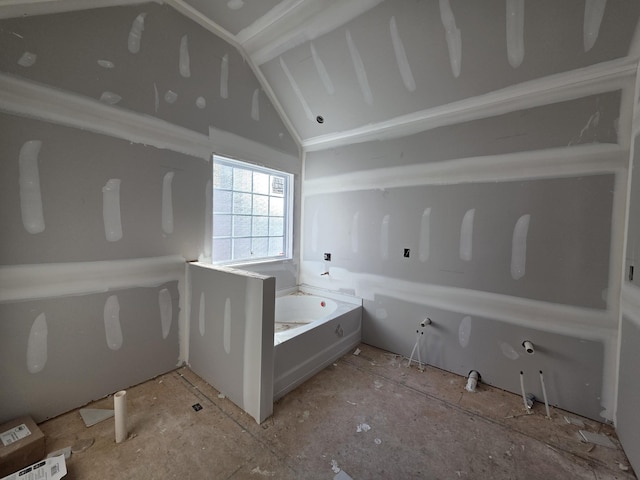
(311, 332)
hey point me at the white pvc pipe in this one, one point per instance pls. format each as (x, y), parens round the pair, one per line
(472, 381)
(120, 409)
(528, 346)
(524, 395)
(544, 394)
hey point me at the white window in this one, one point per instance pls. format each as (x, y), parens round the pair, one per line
(251, 212)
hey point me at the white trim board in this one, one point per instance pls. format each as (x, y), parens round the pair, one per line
(33, 100)
(20, 8)
(550, 163)
(631, 302)
(599, 78)
(51, 280)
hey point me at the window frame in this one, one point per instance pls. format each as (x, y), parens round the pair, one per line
(287, 216)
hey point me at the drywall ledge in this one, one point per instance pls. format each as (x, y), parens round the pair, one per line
(600, 78)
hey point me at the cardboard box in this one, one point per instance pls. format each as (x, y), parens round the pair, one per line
(21, 444)
(53, 468)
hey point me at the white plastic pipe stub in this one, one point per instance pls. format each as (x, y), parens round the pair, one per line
(528, 347)
(120, 410)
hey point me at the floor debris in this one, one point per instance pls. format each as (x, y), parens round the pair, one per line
(574, 421)
(342, 475)
(264, 473)
(91, 416)
(334, 466)
(357, 352)
(597, 439)
(363, 427)
(81, 445)
(66, 451)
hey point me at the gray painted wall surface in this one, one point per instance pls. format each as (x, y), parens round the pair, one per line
(69, 45)
(80, 366)
(572, 366)
(564, 213)
(628, 421)
(549, 126)
(553, 43)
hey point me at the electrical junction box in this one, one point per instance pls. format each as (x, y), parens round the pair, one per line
(21, 444)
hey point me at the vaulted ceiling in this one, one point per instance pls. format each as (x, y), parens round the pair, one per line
(366, 65)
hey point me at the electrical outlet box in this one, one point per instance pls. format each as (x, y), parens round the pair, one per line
(407, 253)
(327, 257)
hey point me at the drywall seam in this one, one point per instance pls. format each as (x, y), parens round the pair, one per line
(549, 163)
(519, 247)
(322, 70)
(616, 248)
(453, 36)
(593, 13)
(208, 221)
(599, 78)
(313, 19)
(167, 203)
(515, 32)
(547, 316)
(296, 90)
(111, 210)
(52, 280)
(361, 73)
(188, 11)
(205, 22)
(29, 99)
(135, 34)
(29, 181)
(22, 8)
(401, 56)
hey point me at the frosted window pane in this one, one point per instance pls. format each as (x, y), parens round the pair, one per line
(260, 183)
(242, 203)
(276, 227)
(241, 226)
(277, 185)
(221, 250)
(260, 205)
(241, 248)
(222, 225)
(260, 247)
(221, 201)
(276, 246)
(276, 206)
(242, 179)
(260, 226)
(222, 176)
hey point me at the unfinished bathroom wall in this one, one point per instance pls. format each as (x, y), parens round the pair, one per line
(481, 184)
(109, 119)
(231, 334)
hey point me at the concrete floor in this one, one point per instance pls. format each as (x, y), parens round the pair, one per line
(367, 415)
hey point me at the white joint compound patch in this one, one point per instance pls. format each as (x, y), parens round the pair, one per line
(201, 102)
(454, 37)
(466, 236)
(226, 331)
(29, 181)
(425, 235)
(515, 32)
(166, 311)
(170, 97)
(106, 64)
(167, 203)
(224, 76)
(111, 210)
(361, 73)
(135, 34)
(27, 59)
(184, 62)
(322, 70)
(37, 345)
(401, 57)
(201, 315)
(384, 237)
(464, 332)
(235, 4)
(508, 351)
(156, 98)
(296, 90)
(519, 247)
(110, 98)
(255, 105)
(112, 328)
(593, 13)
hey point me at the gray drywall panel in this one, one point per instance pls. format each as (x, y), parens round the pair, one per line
(231, 335)
(549, 126)
(74, 166)
(553, 43)
(80, 366)
(567, 245)
(572, 366)
(285, 272)
(628, 421)
(69, 45)
(233, 15)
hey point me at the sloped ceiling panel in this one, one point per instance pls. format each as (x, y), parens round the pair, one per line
(405, 56)
(233, 15)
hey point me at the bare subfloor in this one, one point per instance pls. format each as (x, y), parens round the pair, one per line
(368, 415)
